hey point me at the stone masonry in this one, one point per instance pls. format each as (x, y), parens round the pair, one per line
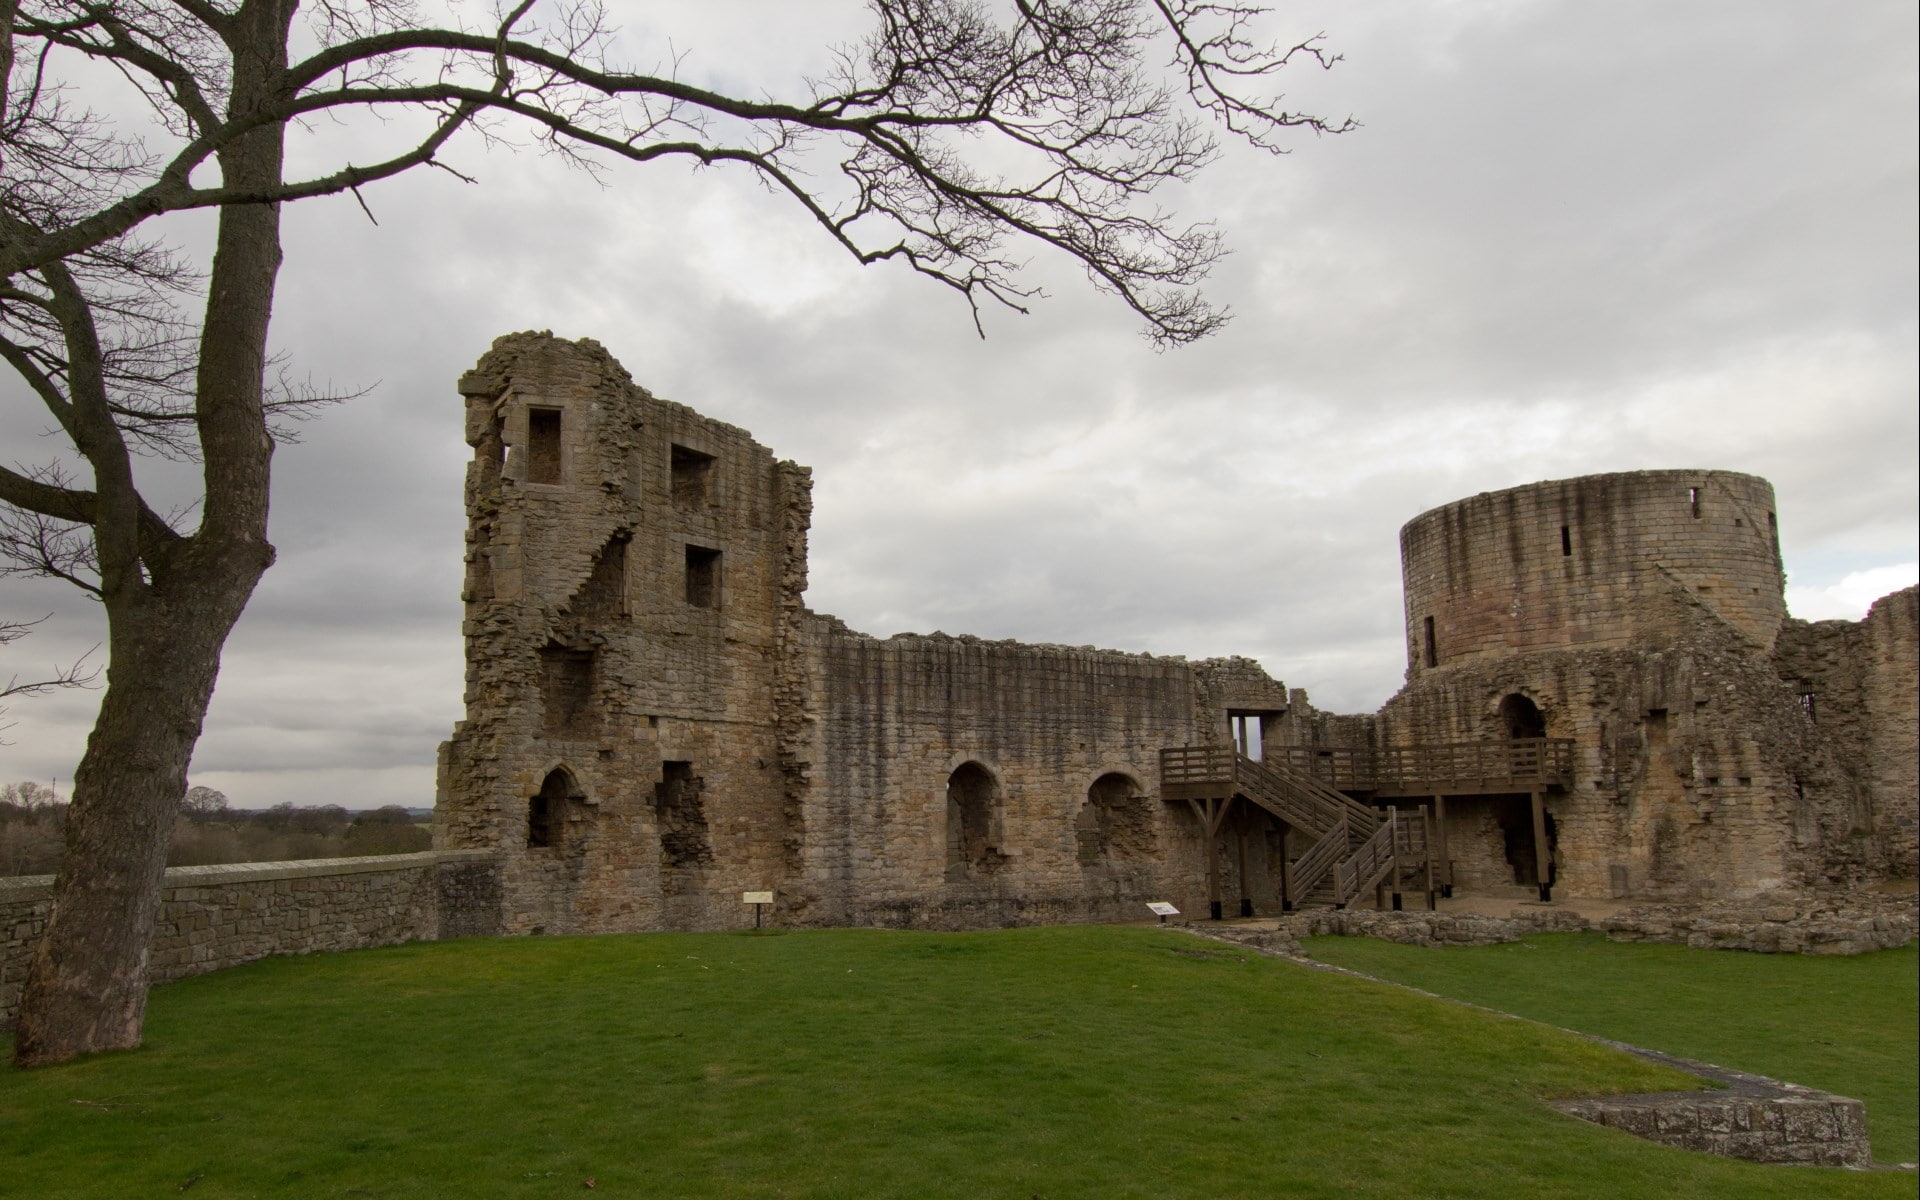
(221, 916)
(656, 723)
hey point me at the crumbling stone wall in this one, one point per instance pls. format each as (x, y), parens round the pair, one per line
(1855, 682)
(960, 781)
(221, 916)
(1643, 616)
(630, 622)
(656, 723)
(1585, 562)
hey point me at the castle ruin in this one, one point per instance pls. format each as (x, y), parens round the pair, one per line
(1605, 697)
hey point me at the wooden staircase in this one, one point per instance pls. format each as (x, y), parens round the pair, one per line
(1354, 846)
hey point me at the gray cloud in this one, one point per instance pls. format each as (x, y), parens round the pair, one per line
(1570, 238)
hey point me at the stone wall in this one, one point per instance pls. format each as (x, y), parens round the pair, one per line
(1061, 744)
(1720, 749)
(221, 916)
(630, 623)
(1569, 562)
(1855, 924)
(656, 723)
(1855, 681)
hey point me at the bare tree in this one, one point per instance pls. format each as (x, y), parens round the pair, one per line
(1064, 97)
(75, 674)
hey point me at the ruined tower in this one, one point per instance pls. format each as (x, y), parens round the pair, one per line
(633, 580)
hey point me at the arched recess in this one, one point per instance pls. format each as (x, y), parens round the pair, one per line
(549, 808)
(1520, 717)
(973, 821)
(1115, 825)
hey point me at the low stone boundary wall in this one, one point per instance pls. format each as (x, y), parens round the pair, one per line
(221, 916)
(1749, 1117)
(1798, 926)
(1770, 928)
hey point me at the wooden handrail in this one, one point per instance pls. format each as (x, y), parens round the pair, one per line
(1310, 868)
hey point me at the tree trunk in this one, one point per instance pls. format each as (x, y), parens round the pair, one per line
(86, 987)
(168, 620)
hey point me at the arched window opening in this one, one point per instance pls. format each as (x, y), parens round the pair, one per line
(1116, 823)
(548, 808)
(973, 802)
(1522, 718)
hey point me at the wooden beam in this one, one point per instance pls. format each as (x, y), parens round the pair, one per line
(1542, 866)
(1286, 868)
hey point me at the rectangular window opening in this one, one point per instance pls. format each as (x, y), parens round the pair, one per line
(543, 445)
(692, 474)
(1807, 705)
(1693, 501)
(1566, 542)
(703, 577)
(1432, 650)
(566, 691)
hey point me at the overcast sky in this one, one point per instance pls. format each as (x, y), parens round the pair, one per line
(1569, 238)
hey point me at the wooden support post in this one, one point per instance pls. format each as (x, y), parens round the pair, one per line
(1212, 812)
(1426, 825)
(1243, 818)
(1446, 856)
(1286, 868)
(1542, 867)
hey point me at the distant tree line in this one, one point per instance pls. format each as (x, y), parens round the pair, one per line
(33, 822)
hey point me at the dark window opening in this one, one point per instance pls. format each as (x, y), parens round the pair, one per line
(1693, 501)
(1807, 705)
(692, 474)
(1522, 718)
(566, 691)
(1566, 542)
(703, 577)
(973, 796)
(682, 815)
(547, 809)
(543, 445)
(1432, 651)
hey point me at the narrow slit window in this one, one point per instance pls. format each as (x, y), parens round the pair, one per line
(703, 577)
(1693, 502)
(1807, 706)
(1566, 541)
(692, 474)
(1432, 650)
(543, 445)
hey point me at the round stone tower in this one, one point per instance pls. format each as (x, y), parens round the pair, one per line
(1602, 561)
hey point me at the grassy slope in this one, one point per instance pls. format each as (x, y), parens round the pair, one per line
(1076, 1062)
(1849, 1025)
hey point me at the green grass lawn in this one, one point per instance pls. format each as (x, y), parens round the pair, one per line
(1849, 1025)
(1071, 1062)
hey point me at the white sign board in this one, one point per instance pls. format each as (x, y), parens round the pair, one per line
(1160, 908)
(756, 897)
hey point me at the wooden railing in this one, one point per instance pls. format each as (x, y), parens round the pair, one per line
(1365, 866)
(1197, 772)
(1321, 857)
(1281, 777)
(1521, 762)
